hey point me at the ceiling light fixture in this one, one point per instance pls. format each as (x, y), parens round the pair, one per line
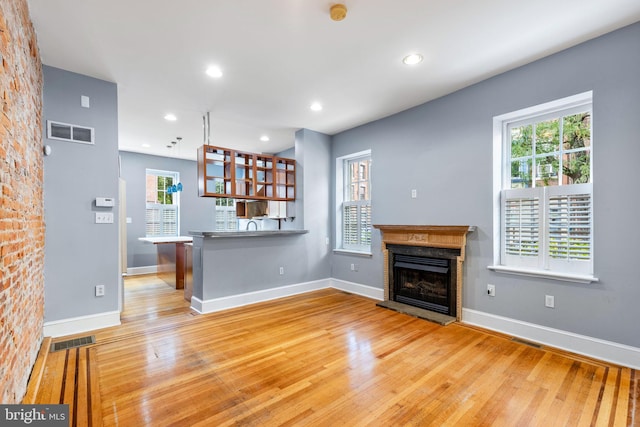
(412, 59)
(264, 138)
(338, 12)
(146, 145)
(214, 71)
(170, 117)
(316, 106)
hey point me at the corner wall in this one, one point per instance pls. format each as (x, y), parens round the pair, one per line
(80, 254)
(21, 204)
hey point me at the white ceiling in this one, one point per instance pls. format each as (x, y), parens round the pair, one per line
(278, 56)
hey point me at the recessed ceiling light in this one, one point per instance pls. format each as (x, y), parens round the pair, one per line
(170, 117)
(264, 138)
(146, 145)
(214, 71)
(316, 106)
(412, 59)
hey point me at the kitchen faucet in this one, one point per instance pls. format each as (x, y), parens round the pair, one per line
(254, 223)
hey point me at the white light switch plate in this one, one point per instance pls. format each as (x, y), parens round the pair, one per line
(104, 217)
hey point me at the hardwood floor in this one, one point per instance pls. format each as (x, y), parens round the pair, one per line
(329, 358)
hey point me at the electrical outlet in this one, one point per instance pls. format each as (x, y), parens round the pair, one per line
(281, 271)
(549, 301)
(491, 290)
(100, 290)
(353, 267)
(414, 194)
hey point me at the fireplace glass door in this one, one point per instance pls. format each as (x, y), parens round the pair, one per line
(422, 282)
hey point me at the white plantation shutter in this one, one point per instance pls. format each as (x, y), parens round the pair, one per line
(226, 219)
(349, 225)
(570, 227)
(152, 222)
(549, 228)
(356, 225)
(169, 220)
(522, 213)
(365, 224)
(161, 220)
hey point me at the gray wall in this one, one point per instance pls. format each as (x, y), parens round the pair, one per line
(196, 213)
(80, 254)
(444, 150)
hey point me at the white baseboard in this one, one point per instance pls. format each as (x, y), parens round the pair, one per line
(76, 325)
(619, 354)
(232, 301)
(149, 269)
(359, 289)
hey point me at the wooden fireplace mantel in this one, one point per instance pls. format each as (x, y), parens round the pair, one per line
(435, 236)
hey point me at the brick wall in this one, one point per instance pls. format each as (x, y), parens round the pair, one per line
(21, 200)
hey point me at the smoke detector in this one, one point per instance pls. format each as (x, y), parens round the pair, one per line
(338, 12)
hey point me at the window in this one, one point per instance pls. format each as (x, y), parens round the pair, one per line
(226, 219)
(353, 198)
(545, 215)
(162, 205)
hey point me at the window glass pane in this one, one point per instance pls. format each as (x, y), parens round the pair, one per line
(576, 131)
(547, 171)
(521, 141)
(576, 168)
(548, 136)
(152, 189)
(521, 173)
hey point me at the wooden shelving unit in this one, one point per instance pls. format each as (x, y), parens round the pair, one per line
(223, 172)
(214, 171)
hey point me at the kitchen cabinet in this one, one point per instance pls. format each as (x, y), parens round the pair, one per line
(223, 172)
(251, 208)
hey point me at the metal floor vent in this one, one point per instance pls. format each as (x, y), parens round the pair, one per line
(529, 343)
(73, 343)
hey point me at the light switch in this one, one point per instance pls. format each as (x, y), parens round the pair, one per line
(84, 101)
(104, 217)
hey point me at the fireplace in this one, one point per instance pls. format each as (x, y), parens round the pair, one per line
(423, 277)
(423, 266)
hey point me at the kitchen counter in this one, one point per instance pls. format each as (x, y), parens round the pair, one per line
(158, 240)
(249, 233)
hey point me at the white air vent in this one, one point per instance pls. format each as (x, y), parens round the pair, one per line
(68, 132)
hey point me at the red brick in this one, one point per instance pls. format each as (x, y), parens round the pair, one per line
(21, 210)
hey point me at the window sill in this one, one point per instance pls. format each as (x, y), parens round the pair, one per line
(567, 277)
(348, 252)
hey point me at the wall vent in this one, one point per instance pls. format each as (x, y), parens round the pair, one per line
(69, 132)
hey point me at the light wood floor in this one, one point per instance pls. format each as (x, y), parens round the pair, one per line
(329, 358)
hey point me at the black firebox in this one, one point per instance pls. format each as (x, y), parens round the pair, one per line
(423, 277)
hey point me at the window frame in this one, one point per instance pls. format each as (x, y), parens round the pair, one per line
(543, 265)
(162, 207)
(342, 186)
